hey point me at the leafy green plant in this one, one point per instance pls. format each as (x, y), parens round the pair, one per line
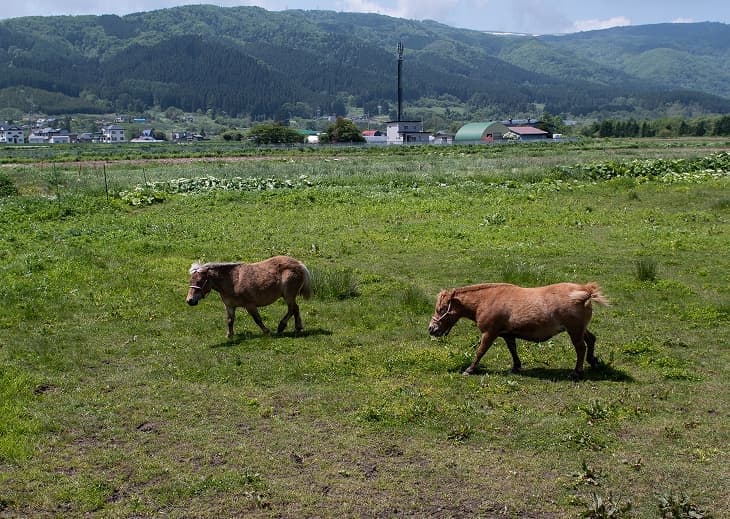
(588, 475)
(606, 507)
(673, 506)
(460, 433)
(596, 410)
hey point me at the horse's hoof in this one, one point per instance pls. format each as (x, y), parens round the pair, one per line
(575, 375)
(467, 372)
(516, 369)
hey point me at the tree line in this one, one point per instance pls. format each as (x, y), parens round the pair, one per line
(665, 127)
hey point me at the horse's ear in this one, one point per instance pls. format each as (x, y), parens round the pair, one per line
(195, 267)
(452, 297)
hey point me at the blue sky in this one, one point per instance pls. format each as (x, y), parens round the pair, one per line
(523, 16)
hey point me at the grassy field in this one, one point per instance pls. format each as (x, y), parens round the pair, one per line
(117, 399)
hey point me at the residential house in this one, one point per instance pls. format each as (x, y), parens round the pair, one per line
(374, 137)
(442, 138)
(12, 135)
(406, 132)
(113, 134)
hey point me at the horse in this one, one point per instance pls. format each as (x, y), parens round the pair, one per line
(252, 285)
(513, 312)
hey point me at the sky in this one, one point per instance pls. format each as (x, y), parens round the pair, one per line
(519, 16)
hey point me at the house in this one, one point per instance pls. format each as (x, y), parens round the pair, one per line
(406, 132)
(526, 133)
(442, 138)
(478, 133)
(59, 138)
(37, 138)
(88, 137)
(374, 137)
(12, 135)
(112, 133)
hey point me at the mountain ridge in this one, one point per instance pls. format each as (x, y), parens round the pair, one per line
(247, 61)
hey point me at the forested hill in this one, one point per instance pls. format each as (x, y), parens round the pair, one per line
(252, 62)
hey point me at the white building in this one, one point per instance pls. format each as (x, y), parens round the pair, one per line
(113, 133)
(406, 132)
(12, 135)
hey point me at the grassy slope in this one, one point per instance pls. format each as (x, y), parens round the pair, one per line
(120, 400)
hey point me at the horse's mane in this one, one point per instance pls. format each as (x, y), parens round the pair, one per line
(480, 286)
(195, 267)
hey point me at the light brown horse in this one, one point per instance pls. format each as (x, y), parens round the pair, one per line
(513, 312)
(251, 285)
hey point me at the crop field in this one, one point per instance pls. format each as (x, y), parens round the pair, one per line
(119, 400)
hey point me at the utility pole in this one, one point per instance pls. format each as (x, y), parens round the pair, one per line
(400, 87)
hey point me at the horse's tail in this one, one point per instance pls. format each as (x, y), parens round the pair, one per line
(595, 294)
(306, 288)
(589, 293)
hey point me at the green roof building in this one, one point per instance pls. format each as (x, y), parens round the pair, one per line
(474, 133)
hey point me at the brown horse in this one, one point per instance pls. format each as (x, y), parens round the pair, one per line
(531, 314)
(252, 285)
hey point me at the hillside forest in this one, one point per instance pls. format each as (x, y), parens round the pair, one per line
(253, 64)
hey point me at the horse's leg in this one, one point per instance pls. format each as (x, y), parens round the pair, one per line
(231, 313)
(292, 310)
(484, 344)
(254, 312)
(512, 347)
(298, 326)
(591, 344)
(577, 338)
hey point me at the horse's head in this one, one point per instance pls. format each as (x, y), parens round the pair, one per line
(445, 314)
(200, 284)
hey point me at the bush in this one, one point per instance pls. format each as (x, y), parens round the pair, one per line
(7, 187)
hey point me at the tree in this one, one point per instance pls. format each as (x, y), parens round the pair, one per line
(343, 130)
(274, 133)
(722, 126)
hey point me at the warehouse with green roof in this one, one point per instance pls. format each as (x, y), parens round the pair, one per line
(474, 133)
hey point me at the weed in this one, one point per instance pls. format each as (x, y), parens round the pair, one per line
(646, 269)
(415, 299)
(596, 410)
(7, 187)
(334, 283)
(606, 508)
(460, 433)
(672, 506)
(522, 273)
(588, 475)
(723, 204)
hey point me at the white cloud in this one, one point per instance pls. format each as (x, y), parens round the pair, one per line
(592, 25)
(409, 9)
(683, 20)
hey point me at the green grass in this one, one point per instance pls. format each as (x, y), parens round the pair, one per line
(117, 399)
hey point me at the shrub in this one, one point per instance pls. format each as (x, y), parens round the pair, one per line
(7, 187)
(334, 284)
(646, 269)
